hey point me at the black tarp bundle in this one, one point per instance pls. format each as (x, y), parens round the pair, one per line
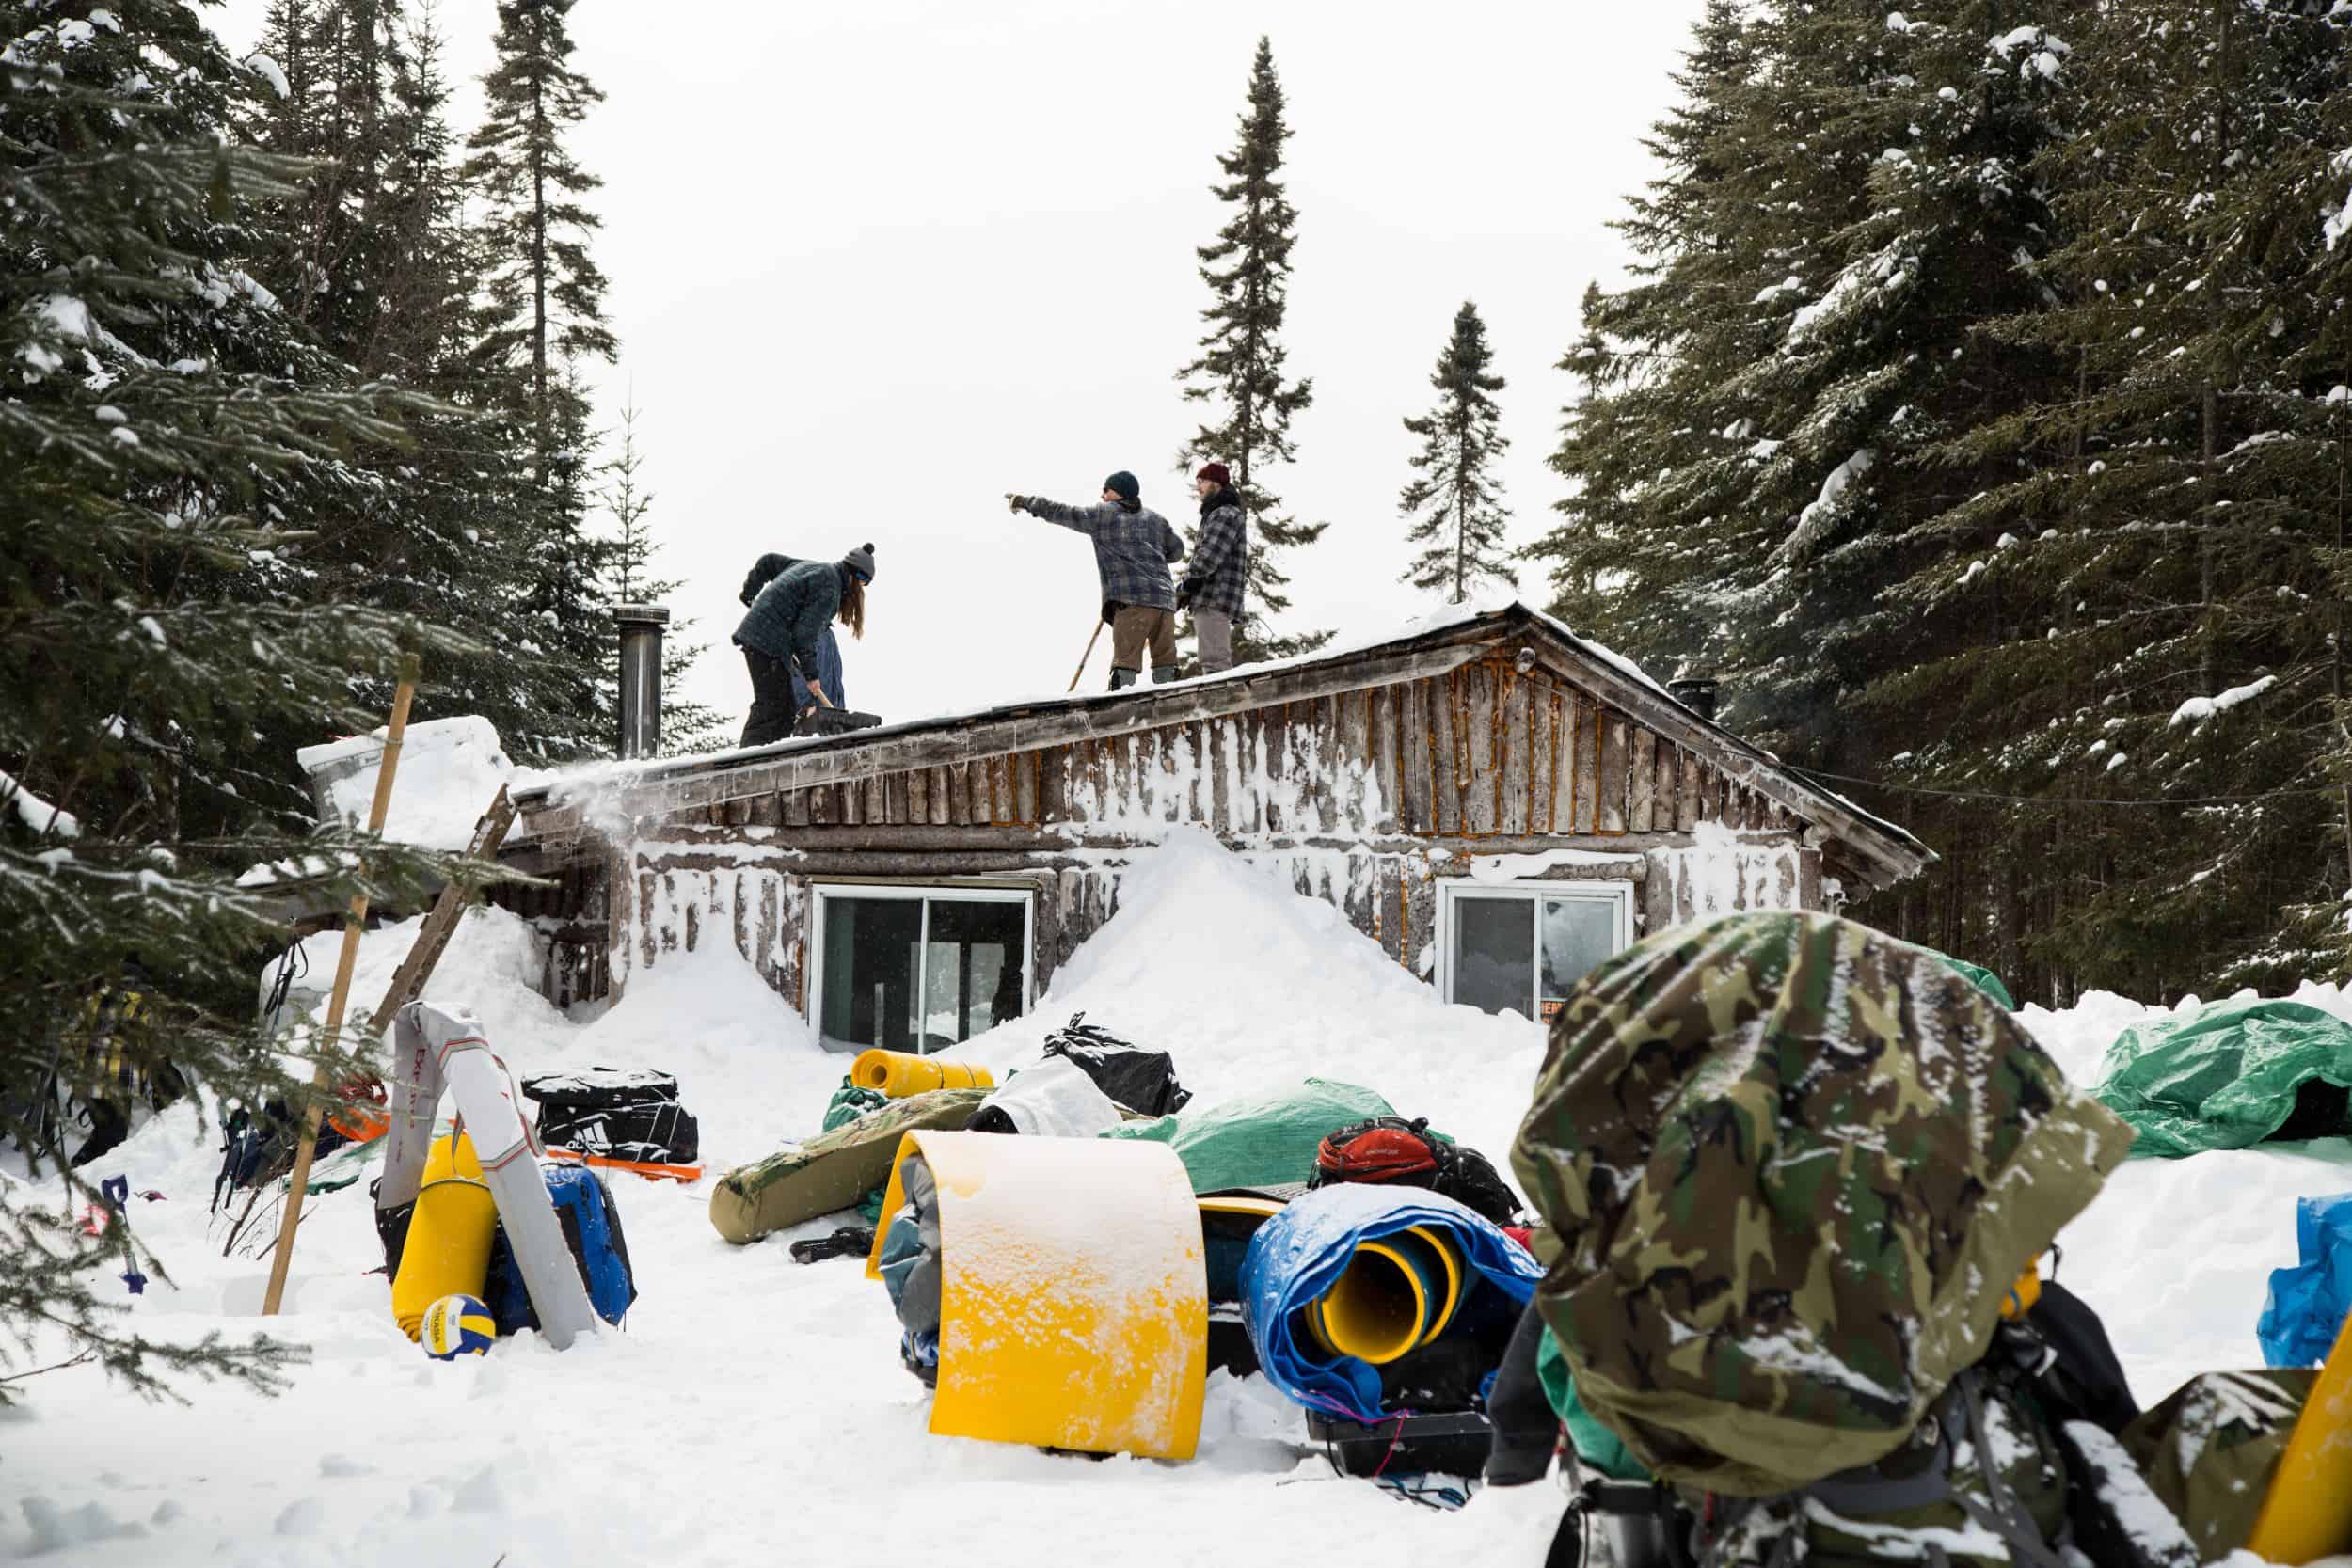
(1141, 1080)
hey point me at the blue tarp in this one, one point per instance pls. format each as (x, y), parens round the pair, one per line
(2308, 1303)
(1300, 1253)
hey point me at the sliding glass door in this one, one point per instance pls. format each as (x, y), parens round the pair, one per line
(917, 968)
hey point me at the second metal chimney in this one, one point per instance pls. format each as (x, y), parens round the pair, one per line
(641, 676)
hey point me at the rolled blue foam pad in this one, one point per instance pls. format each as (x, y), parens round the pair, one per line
(1300, 1253)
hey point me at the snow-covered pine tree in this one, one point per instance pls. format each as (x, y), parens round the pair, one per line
(2157, 559)
(686, 727)
(1240, 368)
(374, 256)
(1844, 201)
(543, 316)
(1455, 491)
(1655, 460)
(150, 626)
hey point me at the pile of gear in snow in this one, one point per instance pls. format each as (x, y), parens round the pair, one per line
(1796, 1188)
(1787, 1292)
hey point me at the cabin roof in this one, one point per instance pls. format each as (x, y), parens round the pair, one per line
(1882, 852)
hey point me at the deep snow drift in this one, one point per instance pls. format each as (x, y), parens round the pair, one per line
(753, 1410)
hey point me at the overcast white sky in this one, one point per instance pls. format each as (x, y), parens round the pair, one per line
(875, 263)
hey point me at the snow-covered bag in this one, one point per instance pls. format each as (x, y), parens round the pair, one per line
(631, 1114)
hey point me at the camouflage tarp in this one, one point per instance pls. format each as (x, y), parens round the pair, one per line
(2210, 1449)
(1788, 1168)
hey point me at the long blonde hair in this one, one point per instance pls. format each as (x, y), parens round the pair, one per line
(853, 604)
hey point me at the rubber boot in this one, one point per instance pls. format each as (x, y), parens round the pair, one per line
(1163, 674)
(1123, 679)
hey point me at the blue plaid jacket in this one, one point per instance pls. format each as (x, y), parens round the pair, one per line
(1133, 547)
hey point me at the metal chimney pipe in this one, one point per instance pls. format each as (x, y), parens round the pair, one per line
(641, 676)
(1697, 692)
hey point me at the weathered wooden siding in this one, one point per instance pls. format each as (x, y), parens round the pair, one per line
(1368, 797)
(1484, 752)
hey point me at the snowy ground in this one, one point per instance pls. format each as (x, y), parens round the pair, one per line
(754, 1411)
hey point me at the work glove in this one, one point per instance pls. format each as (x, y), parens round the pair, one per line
(1015, 503)
(1183, 600)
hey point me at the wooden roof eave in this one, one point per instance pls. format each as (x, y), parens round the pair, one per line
(1881, 856)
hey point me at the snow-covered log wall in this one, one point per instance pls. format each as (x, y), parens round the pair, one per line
(1364, 779)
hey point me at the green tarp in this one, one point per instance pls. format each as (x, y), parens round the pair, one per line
(1267, 1140)
(1980, 977)
(2227, 1076)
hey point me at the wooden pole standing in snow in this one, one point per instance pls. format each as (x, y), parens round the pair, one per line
(308, 1148)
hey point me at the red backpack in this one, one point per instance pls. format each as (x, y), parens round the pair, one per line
(1393, 1151)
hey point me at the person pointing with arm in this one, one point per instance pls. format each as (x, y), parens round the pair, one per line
(1133, 548)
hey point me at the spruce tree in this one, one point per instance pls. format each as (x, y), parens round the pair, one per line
(686, 727)
(163, 416)
(543, 315)
(1846, 200)
(1455, 490)
(373, 254)
(1241, 366)
(2161, 554)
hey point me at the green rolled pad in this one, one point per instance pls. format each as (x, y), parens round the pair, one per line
(2226, 1076)
(1597, 1448)
(1267, 1140)
(830, 1171)
(1789, 1166)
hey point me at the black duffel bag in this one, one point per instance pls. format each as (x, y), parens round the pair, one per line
(621, 1113)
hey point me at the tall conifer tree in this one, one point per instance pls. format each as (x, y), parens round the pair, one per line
(686, 727)
(164, 420)
(544, 317)
(1455, 491)
(2156, 571)
(1241, 366)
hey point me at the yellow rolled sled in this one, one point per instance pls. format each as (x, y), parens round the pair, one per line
(448, 1249)
(900, 1073)
(1396, 1294)
(1073, 1305)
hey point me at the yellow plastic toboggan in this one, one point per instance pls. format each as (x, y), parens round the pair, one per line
(1074, 1293)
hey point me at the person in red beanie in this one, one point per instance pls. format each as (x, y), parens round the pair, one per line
(1212, 589)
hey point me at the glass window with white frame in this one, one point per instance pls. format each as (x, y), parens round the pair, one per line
(917, 968)
(1520, 947)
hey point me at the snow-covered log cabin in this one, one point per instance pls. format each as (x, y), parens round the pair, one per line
(1497, 802)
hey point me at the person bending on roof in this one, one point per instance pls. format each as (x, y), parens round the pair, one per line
(1133, 545)
(766, 570)
(787, 632)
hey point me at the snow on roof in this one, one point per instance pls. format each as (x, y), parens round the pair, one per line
(592, 786)
(1490, 605)
(450, 771)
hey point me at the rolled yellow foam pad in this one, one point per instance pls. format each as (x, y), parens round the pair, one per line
(900, 1073)
(1396, 1294)
(448, 1250)
(1073, 1302)
(2307, 1514)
